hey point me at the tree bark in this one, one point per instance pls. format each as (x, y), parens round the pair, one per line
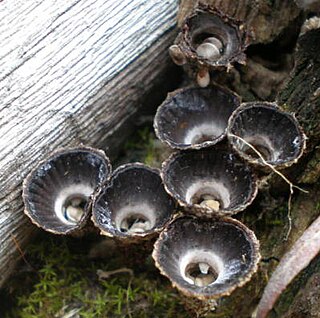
(301, 96)
(273, 27)
(299, 93)
(265, 19)
(72, 72)
(268, 217)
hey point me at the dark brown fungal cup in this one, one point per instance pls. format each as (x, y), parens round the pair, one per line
(58, 193)
(206, 259)
(210, 38)
(209, 181)
(133, 205)
(194, 118)
(274, 133)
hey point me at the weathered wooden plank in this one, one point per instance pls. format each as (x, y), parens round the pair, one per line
(70, 72)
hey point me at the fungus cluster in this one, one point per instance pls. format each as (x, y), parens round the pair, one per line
(204, 252)
(72, 185)
(213, 180)
(210, 179)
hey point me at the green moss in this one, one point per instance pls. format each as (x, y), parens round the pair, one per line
(66, 282)
(144, 147)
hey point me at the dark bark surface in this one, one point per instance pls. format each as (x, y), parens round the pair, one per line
(301, 94)
(268, 217)
(295, 83)
(265, 19)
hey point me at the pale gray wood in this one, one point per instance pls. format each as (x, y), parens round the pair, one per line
(71, 72)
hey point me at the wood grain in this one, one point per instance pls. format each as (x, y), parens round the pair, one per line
(71, 72)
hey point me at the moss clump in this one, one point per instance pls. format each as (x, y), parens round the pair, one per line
(144, 147)
(65, 284)
(62, 280)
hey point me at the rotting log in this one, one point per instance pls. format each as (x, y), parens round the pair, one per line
(298, 92)
(265, 19)
(273, 27)
(301, 95)
(72, 72)
(269, 216)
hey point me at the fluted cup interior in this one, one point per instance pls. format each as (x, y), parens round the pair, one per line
(210, 181)
(206, 259)
(58, 192)
(195, 117)
(133, 203)
(268, 132)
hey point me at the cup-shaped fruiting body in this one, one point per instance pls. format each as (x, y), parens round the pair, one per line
(210, 38)
(262, 129)
(207, 259)
(133, 205)
(194, 118)
(209, 181)
(58, 193)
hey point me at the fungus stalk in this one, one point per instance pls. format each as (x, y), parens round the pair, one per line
(203, 77)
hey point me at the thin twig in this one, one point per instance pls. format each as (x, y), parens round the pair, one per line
(20, 251)
(268, 164)
(104, 274)
(291, 185)
(289, 214)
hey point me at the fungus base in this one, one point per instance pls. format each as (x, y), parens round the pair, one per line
(203, 133)
(262, 145)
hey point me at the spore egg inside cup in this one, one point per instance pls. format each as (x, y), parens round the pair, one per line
(57, 193)
(211, 39)
(73, 207)
(206, 259)
(211, 181)
(133, 204)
